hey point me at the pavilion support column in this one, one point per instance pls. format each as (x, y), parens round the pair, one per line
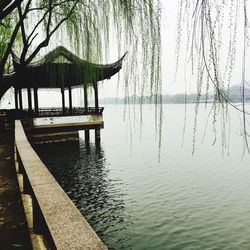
(86, 135)
(36, 100)
(97, 136)
(96, 96)
(16, 98)
(97, 131)
(70, 99)
(20, 99)
(29, 99)
(85, 97)
(86, 110)
(63, 100)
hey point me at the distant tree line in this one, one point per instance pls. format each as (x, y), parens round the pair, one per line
(233, 94)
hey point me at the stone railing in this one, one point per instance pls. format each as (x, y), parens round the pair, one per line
(54, 214)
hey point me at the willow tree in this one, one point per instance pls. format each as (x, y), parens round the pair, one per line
(85, 27)
(216, 32)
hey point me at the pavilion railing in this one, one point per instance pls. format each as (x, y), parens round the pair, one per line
(74, 111)
(10, 115)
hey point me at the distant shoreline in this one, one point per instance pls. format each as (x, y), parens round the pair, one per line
(234, 95)
(131, 103)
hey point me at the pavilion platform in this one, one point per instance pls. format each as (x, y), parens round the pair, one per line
(56, 124)
(59, 69)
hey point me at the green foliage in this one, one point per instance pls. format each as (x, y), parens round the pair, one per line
(6, 29)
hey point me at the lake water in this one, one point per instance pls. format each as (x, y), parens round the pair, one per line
(133, 201)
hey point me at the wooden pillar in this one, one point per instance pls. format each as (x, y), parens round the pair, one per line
(85, 96)
(70, 99)
(97, 136)
(20, 99)
(86, 135)
(29, 99)
(16, 98)
(86, 109)
(96, 96)
(36, 100)
(63, 100)
(97, 131)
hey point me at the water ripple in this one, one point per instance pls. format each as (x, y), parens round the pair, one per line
(134, 202)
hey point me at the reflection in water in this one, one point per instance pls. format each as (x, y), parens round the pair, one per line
(81, 170)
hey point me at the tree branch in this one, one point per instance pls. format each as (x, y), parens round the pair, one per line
(45, 42)
(6, 8)
(12, 40)
(22, 25)
(6, 81)
(50, 10)
(8, 50)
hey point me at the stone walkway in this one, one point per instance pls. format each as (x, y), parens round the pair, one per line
(13, 227)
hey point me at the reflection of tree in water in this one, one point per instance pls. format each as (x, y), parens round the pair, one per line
(83, 174)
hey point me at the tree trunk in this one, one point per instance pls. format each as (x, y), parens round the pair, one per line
(6, 81)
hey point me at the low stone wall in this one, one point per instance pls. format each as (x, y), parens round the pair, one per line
(54, 214)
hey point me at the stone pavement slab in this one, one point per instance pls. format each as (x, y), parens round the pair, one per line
(13, 226)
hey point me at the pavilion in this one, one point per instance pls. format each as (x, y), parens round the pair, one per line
(64, 70)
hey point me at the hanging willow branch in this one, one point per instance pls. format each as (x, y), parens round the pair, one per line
(214, 26)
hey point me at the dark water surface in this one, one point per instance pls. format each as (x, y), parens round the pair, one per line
(133, 201)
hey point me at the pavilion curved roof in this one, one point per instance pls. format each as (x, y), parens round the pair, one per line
(47, 73)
